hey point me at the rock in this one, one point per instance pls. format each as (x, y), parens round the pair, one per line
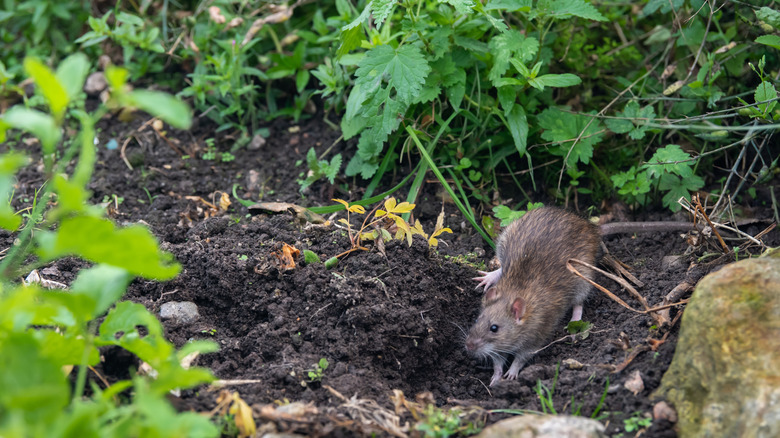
(95, 84)
(672, 262)
(634, 383)
(724, 379)
(257, 142)
(662, 411)
(545, 426)
(183, 312)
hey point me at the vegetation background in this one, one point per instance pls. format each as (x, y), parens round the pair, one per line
(505, 101)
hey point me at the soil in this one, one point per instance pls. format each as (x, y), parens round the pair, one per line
(390, 318)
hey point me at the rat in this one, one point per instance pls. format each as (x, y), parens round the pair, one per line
(532, 291)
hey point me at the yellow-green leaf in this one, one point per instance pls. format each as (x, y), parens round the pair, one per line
(50, 86)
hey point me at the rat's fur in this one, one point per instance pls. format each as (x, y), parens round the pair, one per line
(534, 290)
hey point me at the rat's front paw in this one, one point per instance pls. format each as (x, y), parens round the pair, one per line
(487, 279)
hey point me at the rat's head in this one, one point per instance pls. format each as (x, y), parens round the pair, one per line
(500, 326)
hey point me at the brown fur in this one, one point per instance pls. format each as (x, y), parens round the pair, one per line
(533, 252)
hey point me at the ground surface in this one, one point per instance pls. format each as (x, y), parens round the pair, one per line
(384, 321)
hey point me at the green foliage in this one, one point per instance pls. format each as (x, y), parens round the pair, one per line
(316, 374)
(507, 215)
(670, 170)
(636, 421)
(45, 334)
(140, 40)
(319, 169)
(580, 328)
(632, 120)
(440, 423)
(310, 257)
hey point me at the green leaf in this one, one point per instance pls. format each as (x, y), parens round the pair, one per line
(163, 106)
(133, 248)
(676, 161)
(361, 18)
(677, 188)
(766, 91)
(563, 128)
(50, 86)
(310, 257)
(509, 5)
(507, 97)
(564, 9)
(510, 44)
(9, 163)
(769, 16)
(405, 67)
(35, 122)
(116, 78)
(33, 387)
(103, 285)
(769, 40)
(462, 6)
(636, 127)
(382, 9)
(517, 123)
(72, 72)
(563, 80)
(333, 168)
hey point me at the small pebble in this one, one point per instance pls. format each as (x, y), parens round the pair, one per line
(183, 312)
(95, 84)
(662, 411)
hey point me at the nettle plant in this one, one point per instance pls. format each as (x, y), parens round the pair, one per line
(428, 60)
(47, 335)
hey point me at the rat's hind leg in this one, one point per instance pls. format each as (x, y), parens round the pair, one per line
(583, 289)
(576, 313)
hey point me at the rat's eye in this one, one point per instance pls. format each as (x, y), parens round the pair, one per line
(494, 328)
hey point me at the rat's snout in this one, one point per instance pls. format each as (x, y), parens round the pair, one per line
(473, 344)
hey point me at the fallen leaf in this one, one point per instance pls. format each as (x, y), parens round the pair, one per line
(286, 256)
(301, 213)
(243, 417)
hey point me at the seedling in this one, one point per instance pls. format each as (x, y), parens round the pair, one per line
(637, 421)
(580, 329)
(545, 394)
(318, 372)
(210, 332)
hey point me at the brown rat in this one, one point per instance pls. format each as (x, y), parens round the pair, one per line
(531, 293)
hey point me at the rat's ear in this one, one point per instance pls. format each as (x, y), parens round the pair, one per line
(491, 294)
(518, 309)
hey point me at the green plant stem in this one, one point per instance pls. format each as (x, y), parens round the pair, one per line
(460, 189)
(382, 169)
(414, 190)
(81, 378)
(447, 187)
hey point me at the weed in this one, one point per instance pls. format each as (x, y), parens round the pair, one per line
(319, 169)
(391, 219)
(438, 423)
(316, 374)
(50, 334)
(637, 421)
(545, 394)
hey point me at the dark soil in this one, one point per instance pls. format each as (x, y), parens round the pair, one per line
(385, 320)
